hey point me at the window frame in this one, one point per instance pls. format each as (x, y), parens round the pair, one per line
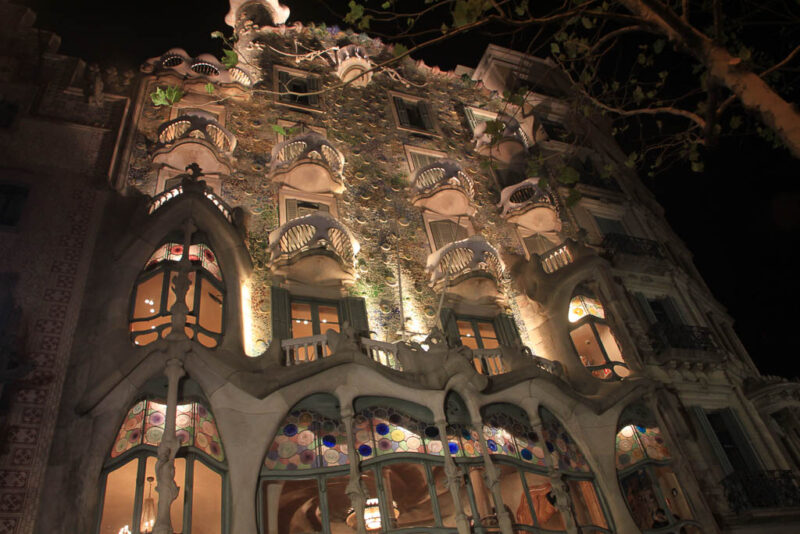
(300, 74)
(286, 194)
(316, 329)
(410, 150)
(428, 218)
(609, 364)
(11, 193)
(433, 128)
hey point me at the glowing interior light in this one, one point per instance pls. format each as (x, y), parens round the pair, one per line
(153, 327)
(152, 310)
(247, 320)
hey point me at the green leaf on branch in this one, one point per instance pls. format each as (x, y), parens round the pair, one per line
(386, 5)
(568, 175)
(229, 58)
(400, 49)
(363, 24)
(521, 8)
(736, 121)
(355, 14)
(217, 35)
(277, 128)
(166, 96)
(467, 11)
(658, 46)
(698, 166)
(209, 88)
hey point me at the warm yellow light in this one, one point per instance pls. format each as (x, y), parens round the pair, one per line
(372, 514)
(581, 306)
(247, 320)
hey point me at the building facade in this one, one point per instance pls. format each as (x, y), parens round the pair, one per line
(302, 291)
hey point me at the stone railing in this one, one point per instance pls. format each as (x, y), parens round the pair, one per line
(354, 65)
(556, 258)
(317, 230)
(205, 66)
(635, 246)
(489, 361)
(382, 352)
(308, 146)
(439, 174)
(305, 349)
(525, 194)
(165, 196)
(473, 255)
(197, 125)
(764, 489)
(665, 336)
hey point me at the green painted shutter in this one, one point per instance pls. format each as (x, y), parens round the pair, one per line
(281, 314)
(707, 431)
(450, 327)
(354, 311)
(426, 114)
(507, 332)
(402, 114)
(313, 85)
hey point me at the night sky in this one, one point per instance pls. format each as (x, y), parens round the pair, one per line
(740, 217)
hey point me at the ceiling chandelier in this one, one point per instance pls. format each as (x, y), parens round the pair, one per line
(372, 514)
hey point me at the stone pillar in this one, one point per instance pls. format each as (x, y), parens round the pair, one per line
(778, 460)
(454, 480)
(165, 464)
(492, 478)
(355, 489)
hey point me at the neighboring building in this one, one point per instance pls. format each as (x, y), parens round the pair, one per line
(356, 308)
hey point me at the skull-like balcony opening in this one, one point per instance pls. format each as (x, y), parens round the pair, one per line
(444, 188)
(506, 145)
(315, 249)
(354, 65)
(195, 137)
(533, 209)
(309, 163)
(470, 269)
(204, 68)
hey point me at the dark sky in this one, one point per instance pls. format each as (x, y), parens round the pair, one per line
(740, 217)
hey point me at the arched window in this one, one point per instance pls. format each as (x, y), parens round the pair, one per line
(651, 489)
(129, 500)
(593, 339)
(154, 295)
(570, 461)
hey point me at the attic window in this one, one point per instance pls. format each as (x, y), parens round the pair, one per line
(292, 86)
(413, 113)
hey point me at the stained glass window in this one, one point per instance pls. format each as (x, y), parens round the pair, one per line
(308, 440)
(581, 306)
(509, 436)
(154, 296)
(383, 430)
(636, 443)
(145, 422)
(566, 454)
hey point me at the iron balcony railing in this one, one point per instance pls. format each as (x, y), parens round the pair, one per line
(636, 246)
(762, 489)
(665, 336)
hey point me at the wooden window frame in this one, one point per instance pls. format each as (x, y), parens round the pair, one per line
(428, 218)
(285, 194)
(278, 69)
(432, 131)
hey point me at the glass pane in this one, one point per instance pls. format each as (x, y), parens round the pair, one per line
(147, 301)
(408, 500)
(291, 506)
(580, 307)
(543, 501)
(206, 500)
(210, 307)
(467, 334)
(483, 501)
(585, 343)
(609, 342)
(486, 330)
(118, 500)
(328, 318)
(301, 320)
(587, 506)
(640, 494)
(673, 494)
(514, 495)
(176, 509)
(130, 432)
(339, 508)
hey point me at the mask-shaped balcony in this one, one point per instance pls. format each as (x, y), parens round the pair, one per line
(507, 145)
(353, 62)
(309, 163)
(203, 68)
(530, 207)
(195, 137)
(315, 249)
(470, 268)
(444, 188)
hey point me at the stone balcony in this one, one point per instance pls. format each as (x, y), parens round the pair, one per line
(443, 187)
(190, 187)
(635, 254)
(354, 65)
(507, 145)
(533, 209)
(308, 163)
(315, 249)
(684, 343)
(195, 137)
(470, 269)
(203, 68)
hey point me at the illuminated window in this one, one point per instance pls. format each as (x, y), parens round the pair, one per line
(651, 488)
(154, 295)
(593, 339)
(129, 496)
